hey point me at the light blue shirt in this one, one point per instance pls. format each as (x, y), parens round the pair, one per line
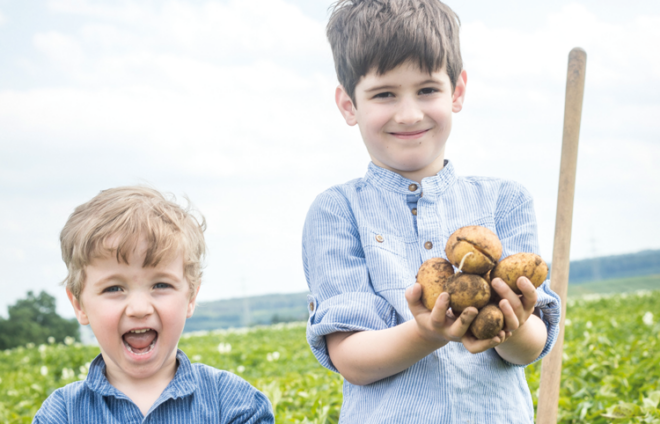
(197, 394)
(363, 243)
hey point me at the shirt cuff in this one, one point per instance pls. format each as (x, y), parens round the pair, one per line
(342, 313)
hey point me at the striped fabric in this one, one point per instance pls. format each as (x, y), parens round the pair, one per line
(362, 246)
(197, 394)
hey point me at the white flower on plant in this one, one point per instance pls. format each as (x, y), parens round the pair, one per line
(197, 358)
(67, 374)
(44, 370)
(29, 345)
(42, 348)
(68, 340)
(273, 356)
(648, 318)
(51, 340)
(240, 368)
(567, 322)
(224, 348)
(589, 324)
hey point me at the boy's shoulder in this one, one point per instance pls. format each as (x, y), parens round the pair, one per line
(56, 407)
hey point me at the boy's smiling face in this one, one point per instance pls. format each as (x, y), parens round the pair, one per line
(405, 117)
(137, 314)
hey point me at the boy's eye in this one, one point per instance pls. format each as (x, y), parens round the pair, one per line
(428, 90)
(383, 95)
(162, 286)
(112, 289)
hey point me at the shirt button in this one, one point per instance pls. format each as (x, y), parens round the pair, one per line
(379, 238)
(311, 306)
(412, 187)
(414, 211)
(428, 245)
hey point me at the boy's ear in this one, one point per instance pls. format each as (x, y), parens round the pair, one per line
(459, 93)
(192, 303)
(77, 308)
(345, 105)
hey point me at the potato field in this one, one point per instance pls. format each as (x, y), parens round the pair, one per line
(611, 366)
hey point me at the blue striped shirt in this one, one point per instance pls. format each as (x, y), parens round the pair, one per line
(197, 394)
(363, 243)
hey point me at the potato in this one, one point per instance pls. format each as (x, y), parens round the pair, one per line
(488, 323)
(432, 276)
(467, 290)
(512, 267)
(478, 248)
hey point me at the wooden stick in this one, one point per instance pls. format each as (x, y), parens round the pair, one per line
(551, 366)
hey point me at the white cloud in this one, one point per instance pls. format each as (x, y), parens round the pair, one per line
(62, 50)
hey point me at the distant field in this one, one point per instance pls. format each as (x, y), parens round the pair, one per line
(620, 285)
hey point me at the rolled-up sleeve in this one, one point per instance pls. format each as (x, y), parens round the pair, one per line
(341, 295)
(517, 230)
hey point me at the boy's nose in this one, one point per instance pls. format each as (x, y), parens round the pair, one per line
(139, 306)
(408, 112)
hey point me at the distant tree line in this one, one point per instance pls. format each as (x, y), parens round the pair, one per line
(646, 262)
(34, 320)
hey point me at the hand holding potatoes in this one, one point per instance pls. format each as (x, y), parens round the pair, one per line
(476, 252)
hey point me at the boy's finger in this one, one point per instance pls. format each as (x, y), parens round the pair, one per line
(529, 295)
(511, 321)
(474, 345)
(414, 298)
(462, 323)
(439, 312)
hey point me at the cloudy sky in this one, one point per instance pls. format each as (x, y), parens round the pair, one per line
(231, 103)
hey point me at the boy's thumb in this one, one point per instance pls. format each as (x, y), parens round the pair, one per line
(414, 296)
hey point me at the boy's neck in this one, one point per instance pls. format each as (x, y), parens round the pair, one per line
(143, 391)
(416, 175)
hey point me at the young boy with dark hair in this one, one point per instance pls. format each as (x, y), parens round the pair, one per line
(401, 79)
(134, 271)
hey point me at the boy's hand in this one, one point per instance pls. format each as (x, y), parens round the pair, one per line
(516, 308)
(439, 325)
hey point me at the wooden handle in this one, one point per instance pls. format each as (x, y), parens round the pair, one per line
(551, 365)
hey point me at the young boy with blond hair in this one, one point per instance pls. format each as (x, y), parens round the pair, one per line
(401, 78)
(134, 261)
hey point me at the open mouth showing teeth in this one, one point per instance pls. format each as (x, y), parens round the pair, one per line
(141, 341)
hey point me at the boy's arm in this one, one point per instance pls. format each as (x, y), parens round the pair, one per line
(368, 356)
(533, 318)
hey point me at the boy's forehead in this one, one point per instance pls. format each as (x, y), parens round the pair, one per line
(406, 73)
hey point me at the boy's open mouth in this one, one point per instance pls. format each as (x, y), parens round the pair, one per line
(140, 341)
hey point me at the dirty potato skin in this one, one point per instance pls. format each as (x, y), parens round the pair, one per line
(467, 290)
(529, 265)
(432, 276)
(480, 244)
(488, 323)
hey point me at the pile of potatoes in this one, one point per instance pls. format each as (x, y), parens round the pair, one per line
(475, 251)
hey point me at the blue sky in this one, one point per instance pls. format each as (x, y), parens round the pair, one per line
(231, 103)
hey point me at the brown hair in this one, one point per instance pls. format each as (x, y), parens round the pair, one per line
(383, 34)
(115, 221)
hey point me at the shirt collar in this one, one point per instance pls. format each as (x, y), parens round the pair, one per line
(181, 385)
(389, 180)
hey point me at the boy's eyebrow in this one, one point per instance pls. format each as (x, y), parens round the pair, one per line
(382, 87)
